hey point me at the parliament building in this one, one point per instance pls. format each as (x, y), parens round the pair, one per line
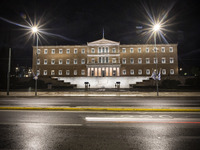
(105, 58)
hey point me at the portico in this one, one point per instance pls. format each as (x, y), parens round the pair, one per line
(103, 70)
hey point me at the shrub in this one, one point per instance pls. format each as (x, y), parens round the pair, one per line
(170, 83)
(193, 82)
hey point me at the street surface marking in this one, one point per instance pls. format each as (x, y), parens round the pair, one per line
(137, 120)
(41, 124)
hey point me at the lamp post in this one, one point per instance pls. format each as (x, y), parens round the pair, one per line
(35, 31)
(156, 29)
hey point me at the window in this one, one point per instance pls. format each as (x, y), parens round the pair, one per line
(170, 49)
(163, 71)
(155, 49)
(99, 50)
(131, 50)
(124, 72)
(139, 60)
(75, 61)
(68, 51)
(67, 72)
(38, 51)
(139, 50)
(75, 51)
(45, 72)
(171, 71)
(114, 60)
(123, 50)
(38, 72)
(60, 61)
(131, 61)
(82, 72)
(140, 71)
(147, 50)
(92, 50)
(45, 51)
(75, 72)
(107, 60)
(171, 60)
(83, 51)
(93, 60)
(147, 60)
(38, 61)
(113, 50)
(123, 60)
(163, 49)
(59, 72)
(53, 51)
(67, 61)
(100, 60)
(53, 61)
(155, 60)
(83, 61)
(52, 72)
(163, 60)
(148, 71)
(45, 61)
(107, 51)
(132, 72)
(60, 51)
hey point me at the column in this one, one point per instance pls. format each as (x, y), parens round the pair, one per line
(88, 72)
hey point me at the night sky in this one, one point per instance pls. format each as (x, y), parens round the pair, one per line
(81, 21)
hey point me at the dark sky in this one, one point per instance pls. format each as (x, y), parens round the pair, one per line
(82, 21)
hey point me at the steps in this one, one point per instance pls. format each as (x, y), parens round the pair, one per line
(55, 83)
(144, 83)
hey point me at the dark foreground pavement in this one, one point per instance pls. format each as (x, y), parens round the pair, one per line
(58, 130)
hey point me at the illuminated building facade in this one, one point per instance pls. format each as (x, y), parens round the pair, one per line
(105, 58)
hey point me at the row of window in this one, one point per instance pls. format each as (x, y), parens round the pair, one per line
(147, 50)
(104, 50)
(147, 72)
(53, 51)
(106, 60)
(60, 61)
(147, 60)
(60, 72)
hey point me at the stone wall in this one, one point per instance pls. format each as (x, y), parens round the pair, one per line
(103, 82)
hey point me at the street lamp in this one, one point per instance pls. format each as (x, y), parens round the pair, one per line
(35, 31)
(156, 28)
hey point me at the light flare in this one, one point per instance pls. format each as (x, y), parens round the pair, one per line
(157, 23)
(34, 28)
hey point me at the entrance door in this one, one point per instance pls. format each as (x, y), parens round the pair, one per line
(103, 73)
(114, 73)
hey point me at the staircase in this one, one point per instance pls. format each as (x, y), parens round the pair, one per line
(55, 83)
(144, 83)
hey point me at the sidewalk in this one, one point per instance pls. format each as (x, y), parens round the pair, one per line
(101, 93)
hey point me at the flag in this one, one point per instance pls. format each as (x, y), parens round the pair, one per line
(153, 76)
(159, 75)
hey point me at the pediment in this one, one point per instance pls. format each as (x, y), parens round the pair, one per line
(102, 42)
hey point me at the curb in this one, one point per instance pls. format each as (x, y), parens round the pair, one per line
(100, 94)
(102, 109)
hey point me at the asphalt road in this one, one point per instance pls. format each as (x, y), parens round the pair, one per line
(152, 102)
(62, 130)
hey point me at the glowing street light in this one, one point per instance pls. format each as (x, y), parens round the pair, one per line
(156, 27)
(35, 31)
